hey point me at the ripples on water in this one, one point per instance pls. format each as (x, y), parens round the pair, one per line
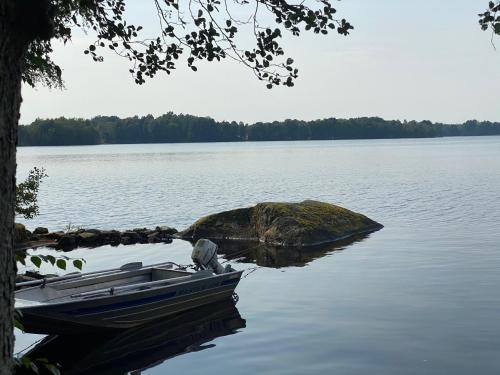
(419, 296)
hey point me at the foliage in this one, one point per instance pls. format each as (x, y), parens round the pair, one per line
(185, 128)
(36, 365)
(200, 30)
(59, 262)
(490, 19)
(27, 193)
(25, 362)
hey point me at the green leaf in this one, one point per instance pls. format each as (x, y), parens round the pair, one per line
(21, 259)
(53, 369)
(25, 361)
(61, 263)
(78, 264)
(18, 324)
(37, 261)
(51, 259)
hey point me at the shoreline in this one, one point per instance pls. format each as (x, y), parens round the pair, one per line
(265, 141)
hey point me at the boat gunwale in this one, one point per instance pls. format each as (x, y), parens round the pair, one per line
(97, 274)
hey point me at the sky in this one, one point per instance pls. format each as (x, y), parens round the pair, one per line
(405, 59)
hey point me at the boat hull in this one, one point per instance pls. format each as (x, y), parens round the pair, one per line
(128, 310)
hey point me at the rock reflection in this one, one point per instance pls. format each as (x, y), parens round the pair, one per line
(140, 348)
(277, 257)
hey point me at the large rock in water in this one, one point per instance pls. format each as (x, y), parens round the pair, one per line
(308, 223)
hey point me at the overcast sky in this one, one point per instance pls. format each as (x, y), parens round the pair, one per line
(405, 59)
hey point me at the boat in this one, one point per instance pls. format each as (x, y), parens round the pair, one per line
(140, 348)
(125, 297)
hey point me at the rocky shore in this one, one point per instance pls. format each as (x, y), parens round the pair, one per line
(304, 224)
(282, 229)
(66, 241)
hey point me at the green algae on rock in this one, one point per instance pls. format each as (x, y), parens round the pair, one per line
(308, 223)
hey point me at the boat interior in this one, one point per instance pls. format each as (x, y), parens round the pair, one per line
(110, 283)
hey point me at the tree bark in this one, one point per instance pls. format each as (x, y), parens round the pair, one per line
(12, 51)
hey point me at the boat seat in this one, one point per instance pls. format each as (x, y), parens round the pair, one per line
(184, 276)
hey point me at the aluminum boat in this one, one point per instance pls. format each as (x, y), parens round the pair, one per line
(126, 297)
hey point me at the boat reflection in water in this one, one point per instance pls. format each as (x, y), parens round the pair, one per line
(276, 257)
(136, 349)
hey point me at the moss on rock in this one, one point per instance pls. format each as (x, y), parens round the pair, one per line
(307, 223)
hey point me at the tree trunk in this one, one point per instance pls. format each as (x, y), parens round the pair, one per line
(12, 50)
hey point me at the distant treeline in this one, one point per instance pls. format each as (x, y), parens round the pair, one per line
(172, 128)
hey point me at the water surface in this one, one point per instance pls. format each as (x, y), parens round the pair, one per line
(419, 296)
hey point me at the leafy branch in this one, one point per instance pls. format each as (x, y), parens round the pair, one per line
(27, 193)
(200, 30)
(60, 262)
(490, 20)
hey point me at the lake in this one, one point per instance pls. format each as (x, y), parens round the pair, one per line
(418, 297)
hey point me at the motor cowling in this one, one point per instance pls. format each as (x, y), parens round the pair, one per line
(204, 255)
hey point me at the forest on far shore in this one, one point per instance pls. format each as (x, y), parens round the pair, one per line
(172, 128)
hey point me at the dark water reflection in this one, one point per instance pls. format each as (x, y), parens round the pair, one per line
(278, 256)
(141, 348)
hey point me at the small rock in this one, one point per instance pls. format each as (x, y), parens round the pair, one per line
(130, 237)
(88, 238)
(21, 234)
(68, 242)
(41, 230)
(96, 231)
(153, 237)
(126, 240)
(111, 237)
(135, 236)
(53, 235)
(166, 230)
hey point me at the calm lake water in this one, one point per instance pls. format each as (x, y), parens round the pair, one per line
(421, 296)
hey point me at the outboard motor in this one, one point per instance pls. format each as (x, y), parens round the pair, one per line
(204, 255)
